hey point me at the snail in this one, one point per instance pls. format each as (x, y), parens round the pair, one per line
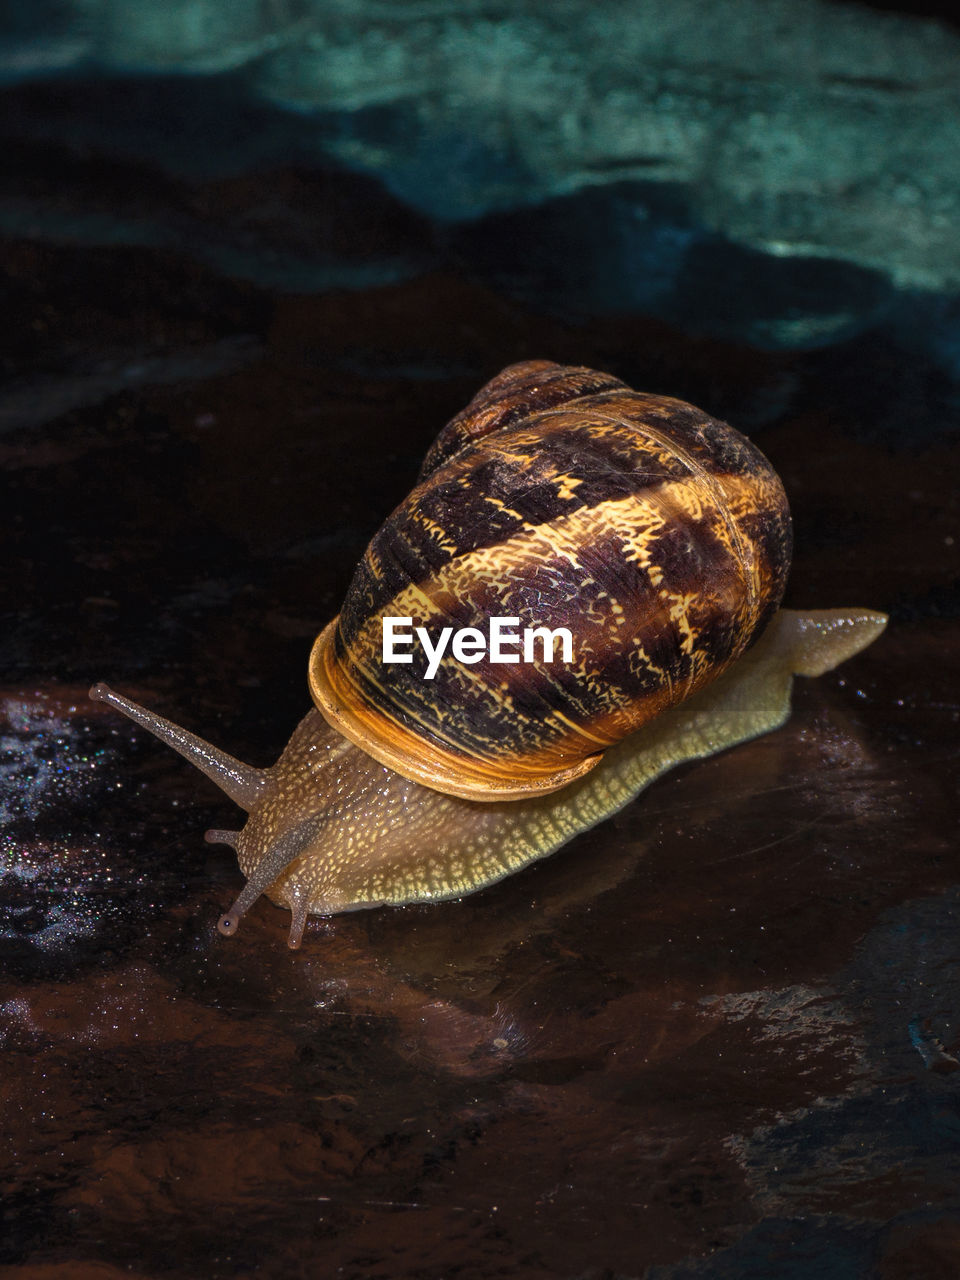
(654, 538)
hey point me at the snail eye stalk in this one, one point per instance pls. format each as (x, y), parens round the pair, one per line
(277, 858)
(241, 782)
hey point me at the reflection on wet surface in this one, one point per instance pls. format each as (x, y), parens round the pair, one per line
(717, 1036)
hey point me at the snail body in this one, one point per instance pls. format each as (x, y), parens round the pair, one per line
(559, 499)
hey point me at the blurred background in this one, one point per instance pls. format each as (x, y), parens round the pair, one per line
(252, 257)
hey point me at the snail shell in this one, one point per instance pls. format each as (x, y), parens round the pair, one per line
(559, 497)
(657, 535)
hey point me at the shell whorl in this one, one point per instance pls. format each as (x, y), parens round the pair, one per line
(658, 535)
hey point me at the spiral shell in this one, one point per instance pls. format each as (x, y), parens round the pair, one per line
(659, 536)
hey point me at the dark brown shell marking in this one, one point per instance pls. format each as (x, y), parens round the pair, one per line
(657, 534)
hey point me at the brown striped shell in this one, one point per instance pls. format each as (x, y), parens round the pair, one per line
(658, 535)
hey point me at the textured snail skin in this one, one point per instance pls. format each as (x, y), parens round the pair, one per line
(346, 822)
(364, 836)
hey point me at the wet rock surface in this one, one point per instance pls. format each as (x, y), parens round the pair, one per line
(717, 1036)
